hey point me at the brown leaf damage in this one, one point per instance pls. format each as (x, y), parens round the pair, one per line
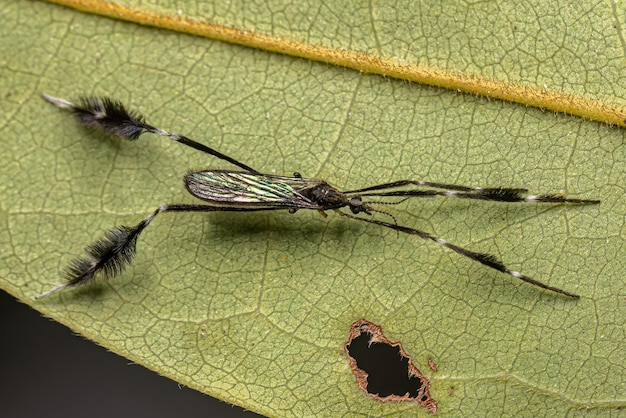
(383, 370)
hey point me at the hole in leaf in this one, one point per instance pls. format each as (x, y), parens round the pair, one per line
(383, 370)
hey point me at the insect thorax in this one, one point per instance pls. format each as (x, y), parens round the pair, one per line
(325, 195)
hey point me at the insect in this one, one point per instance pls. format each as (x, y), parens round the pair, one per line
(247, 190)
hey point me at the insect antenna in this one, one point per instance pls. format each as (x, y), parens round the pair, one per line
(485, 259)
(111, 116)
(384, 212)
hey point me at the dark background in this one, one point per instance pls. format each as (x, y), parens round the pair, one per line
(47, 371)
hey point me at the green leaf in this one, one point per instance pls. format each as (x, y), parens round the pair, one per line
(255, 309)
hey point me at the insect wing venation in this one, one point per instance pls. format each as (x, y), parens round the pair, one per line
(238, 188)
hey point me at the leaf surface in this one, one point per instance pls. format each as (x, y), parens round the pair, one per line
(254, 309)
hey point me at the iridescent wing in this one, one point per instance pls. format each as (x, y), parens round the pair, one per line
(245, 189)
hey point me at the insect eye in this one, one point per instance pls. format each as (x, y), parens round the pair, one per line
(356, 205)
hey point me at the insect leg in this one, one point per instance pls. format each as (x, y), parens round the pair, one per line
(112, 117)
(491, 194)
(486, 259)
(514, 195)
(115, 250)
(401, 183)
(496, 194)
